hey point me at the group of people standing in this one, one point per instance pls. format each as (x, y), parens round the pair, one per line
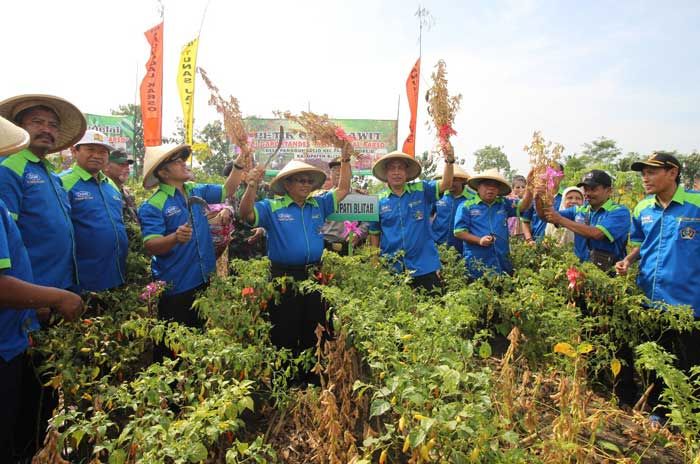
(63, 234)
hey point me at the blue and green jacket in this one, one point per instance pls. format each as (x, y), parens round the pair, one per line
(669, 242)
(100, 234)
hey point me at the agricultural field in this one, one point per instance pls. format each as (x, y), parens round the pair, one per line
(502, 369)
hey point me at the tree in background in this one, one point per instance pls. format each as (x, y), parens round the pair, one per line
(219, 148)
(491, 157)
(601, 150)
(691, 168)
(138, 149)
(428, 164)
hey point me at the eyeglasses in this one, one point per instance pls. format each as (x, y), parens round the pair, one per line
(302, 180)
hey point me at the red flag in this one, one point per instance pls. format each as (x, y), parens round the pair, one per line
(409, 146)
(152, 89)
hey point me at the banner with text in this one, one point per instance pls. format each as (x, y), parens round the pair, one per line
(118, 129)
(372, 138)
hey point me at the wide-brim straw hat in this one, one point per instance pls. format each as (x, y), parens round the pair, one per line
(155, 156)
(490, 174)
(458, 173)
(12, 138)
(72, 122)
(413, 167)
(297, 167)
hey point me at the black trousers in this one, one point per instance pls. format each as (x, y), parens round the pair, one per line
(178, 308)
(685, 346)
(295, 318)
(10, 395)
(36, 406)
(429, 282)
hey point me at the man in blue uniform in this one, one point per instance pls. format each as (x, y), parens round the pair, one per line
(446, 207)
(403, 231)
(665, 238)
(600, 226)
(293, 222)
(39, 205)
(33, 192)
(17, 294)
(176, 231)
(482, 224)
(96, 212)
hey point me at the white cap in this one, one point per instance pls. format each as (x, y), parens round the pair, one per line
(95, 138)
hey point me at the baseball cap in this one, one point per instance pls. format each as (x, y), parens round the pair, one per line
(119, 156)
(595, 178)
(658, 159)
(94, 137)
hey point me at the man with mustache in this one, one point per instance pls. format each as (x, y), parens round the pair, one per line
(39, 205)
(96, 212)
(18, 295)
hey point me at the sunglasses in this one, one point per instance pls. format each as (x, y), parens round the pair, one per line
(302, 180)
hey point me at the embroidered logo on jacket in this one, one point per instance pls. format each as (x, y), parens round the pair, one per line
(172, 211)
(32, 179)
(688, 233)
(82, 195)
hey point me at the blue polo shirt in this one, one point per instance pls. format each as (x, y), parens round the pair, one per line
(479, 218)
(294, 236)
(537, 224)
(669, 241)
(14, 262)
(100, 234)
(186, 265)
(404, 226)
(444, 220)
(611, 219)
(39, 204)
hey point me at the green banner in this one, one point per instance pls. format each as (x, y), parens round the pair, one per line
(118, 129)
(372, 138)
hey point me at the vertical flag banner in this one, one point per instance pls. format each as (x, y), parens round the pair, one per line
(409, 146)
(152, 89)
(185, 85)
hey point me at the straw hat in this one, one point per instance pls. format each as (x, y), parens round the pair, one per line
(155, 156)
(413, 168)
(12, 138)
(490, 174)
(72, 121)
(458, 173)
(296, 167)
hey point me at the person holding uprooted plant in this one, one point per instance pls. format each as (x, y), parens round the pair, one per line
(482, 224)
(176, 231)
(403, 233)
(293, 222)
(601, 226)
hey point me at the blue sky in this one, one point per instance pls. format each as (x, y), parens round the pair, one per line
(576, 70)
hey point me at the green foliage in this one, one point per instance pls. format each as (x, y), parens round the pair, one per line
(429, 163)
(493, 157)
(219, 150)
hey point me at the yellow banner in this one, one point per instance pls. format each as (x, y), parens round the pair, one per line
(185, 85)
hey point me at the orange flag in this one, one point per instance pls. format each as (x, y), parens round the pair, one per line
(409, 146)
(152, 89)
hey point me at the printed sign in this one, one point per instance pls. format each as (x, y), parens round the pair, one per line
(357, 207)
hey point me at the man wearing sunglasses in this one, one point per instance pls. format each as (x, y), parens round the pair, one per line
(176, 232)
(293, 222)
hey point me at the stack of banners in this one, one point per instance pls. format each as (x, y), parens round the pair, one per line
(372, 138)
(118, 129)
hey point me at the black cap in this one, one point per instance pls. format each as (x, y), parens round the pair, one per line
(658, 159)
(334, 162)
(595, 178)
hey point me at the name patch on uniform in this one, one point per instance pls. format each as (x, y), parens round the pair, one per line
(386, 209)
(688, 233)
(284, 217)
(413, 204)
(82, 195)
(33, 179)
(475, 212)
(172, 211)
(646, 219)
